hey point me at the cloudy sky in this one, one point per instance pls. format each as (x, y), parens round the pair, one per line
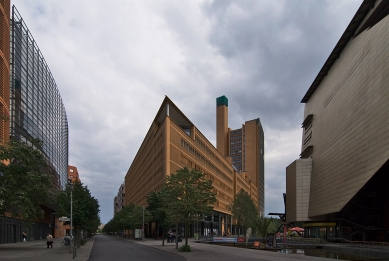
(114, 62)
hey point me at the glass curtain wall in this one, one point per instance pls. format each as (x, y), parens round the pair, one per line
(37, 110)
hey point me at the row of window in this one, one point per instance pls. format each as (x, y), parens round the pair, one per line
(37, 109)
(198, 155)
(211, 154)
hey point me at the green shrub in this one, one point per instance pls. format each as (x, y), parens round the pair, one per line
(184, 248)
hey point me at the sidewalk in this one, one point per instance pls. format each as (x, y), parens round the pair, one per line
(212, 252)
(37, 250)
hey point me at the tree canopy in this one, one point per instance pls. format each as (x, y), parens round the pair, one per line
(263, 226)
(129, 218)
(24, 184)
(244, 210)
(86, 208)
(132, 215)
(157, 211)
(185, 195)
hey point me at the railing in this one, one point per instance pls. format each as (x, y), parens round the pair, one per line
(305, 241)
(343, 242)
(204, 238)
(367, 244)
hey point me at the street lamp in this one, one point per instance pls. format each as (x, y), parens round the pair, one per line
(143, 225)
(71, 214)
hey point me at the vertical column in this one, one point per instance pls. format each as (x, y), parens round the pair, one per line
(167, 146)
(5, 70)
(222, 125)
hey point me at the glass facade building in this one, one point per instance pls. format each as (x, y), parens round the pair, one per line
(36, 107)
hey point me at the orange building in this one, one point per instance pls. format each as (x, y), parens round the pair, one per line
(244, 147)
(73, 174)
(4, 69)
(174, 142)
(62, 230)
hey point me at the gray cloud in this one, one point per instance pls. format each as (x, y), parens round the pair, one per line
(114, 64)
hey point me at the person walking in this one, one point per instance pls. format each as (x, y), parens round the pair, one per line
(24, 236)
(49, 240)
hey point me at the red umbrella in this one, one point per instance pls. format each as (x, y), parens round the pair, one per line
(297, 229)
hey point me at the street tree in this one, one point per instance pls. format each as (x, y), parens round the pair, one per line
(185, 195)
(131, 217)
(244, 210)
(85, 208)
(24, 182)
(263, 226)
(112, 226)
(157, 212)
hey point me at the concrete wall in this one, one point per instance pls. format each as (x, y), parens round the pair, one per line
(298, 182)
(350, 128)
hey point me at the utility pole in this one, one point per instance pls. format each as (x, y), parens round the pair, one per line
(71, 216)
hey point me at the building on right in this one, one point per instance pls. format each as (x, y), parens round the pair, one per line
(339, 186)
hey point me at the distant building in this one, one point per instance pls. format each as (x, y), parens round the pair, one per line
(101, 226)
(340, 183)
(73, 174)
(245, 147)
(174, 142)
(118, 202)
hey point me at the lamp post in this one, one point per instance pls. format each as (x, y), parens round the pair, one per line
(143, 225)
(71, 215)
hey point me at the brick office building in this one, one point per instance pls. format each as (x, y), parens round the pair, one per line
(4, 69)
(174, 142)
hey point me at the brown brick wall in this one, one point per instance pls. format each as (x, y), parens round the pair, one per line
(4, 69)
(170, 148)
(222, 141)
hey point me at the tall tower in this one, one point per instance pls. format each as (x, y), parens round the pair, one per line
(222, 140)
(244, 147)
(4, 69)
(247, 153)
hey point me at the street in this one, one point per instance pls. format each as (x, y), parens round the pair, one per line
(114, 248)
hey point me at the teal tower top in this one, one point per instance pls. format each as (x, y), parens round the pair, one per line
(222, 100)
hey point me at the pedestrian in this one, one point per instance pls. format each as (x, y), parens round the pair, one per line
(24, 236)
(49, 240)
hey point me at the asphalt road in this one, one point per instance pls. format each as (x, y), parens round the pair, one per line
(117, 249)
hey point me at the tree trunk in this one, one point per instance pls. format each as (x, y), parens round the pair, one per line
(163, 235)
(177, 236)
(78, 238)
(186, 233)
